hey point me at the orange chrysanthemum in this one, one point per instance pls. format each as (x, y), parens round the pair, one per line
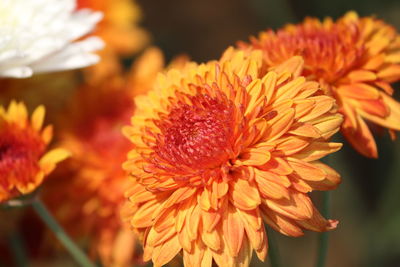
(87, 196)
(120, 31)
(355, 60)
(24, 162)
(119, 27)
(91, 130)
(219, 150)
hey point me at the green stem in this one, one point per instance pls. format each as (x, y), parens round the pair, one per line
(273, 251)
(18, 249)
(323, 237)
(74, 250)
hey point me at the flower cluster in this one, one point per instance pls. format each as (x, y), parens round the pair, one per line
(191, 161)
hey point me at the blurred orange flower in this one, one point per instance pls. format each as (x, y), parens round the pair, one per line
(120, 31)
(355, 60)
(24, 161)
(217, 150)
(92, 185)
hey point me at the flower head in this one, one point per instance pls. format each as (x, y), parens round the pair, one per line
(120, 31)
(40, 36)
(24, 162)
(355, 60)
(119, 28)
(218, 150)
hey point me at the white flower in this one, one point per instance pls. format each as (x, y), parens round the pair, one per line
(40, 36)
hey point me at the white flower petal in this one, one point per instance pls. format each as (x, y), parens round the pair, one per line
(40, 35)
(18, 72)
(75, 55)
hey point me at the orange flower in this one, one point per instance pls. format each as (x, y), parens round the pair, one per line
(120, 31)
(24, 162)
(355, 60)
(119, 27)
(86, 197)
(92, 131)
(218, 151)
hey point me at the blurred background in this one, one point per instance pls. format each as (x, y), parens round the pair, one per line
(367, 203)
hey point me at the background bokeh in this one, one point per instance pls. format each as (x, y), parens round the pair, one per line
(368, 201)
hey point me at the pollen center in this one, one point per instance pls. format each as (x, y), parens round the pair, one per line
(196, 135)
(328, 53)
(19, 153)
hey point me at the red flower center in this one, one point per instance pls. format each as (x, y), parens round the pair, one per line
(198, 135)
(329, 54)
(20, 151)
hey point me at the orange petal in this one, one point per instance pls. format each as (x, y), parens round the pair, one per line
(193, 221)
(256, 236)
(393, 57)
(269, 83)
(317, 150)
(299, 184)
(186, 242)
(328, 125)
(233, 231)
(374, 62)
(278, 166)
(212, 239)
(279, 125)
(281, 224)
(38, 118)
(362, 75)
(270, 176)
(303, 106)
(290, 145)
(244, 194)
(318, 223)
(269, 188)
(143, 217)
(358, 91)
(323, 104)
(138, 194)
(390, 73)
(210, 219)
(309, 88)
(179, 195)
(361, 138)
(184, 209)
(290, 89)
(251, 218)
(165, 219)
(220, 188)
(156, 238)
(376, 108)
(331, 181)
(166, 252)
(392, 120)
(294, 65)
(50, 159)
(200, 256)
(244, 257)
(254, 156)
(298, 207)
(306, 171)
(305, 130)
